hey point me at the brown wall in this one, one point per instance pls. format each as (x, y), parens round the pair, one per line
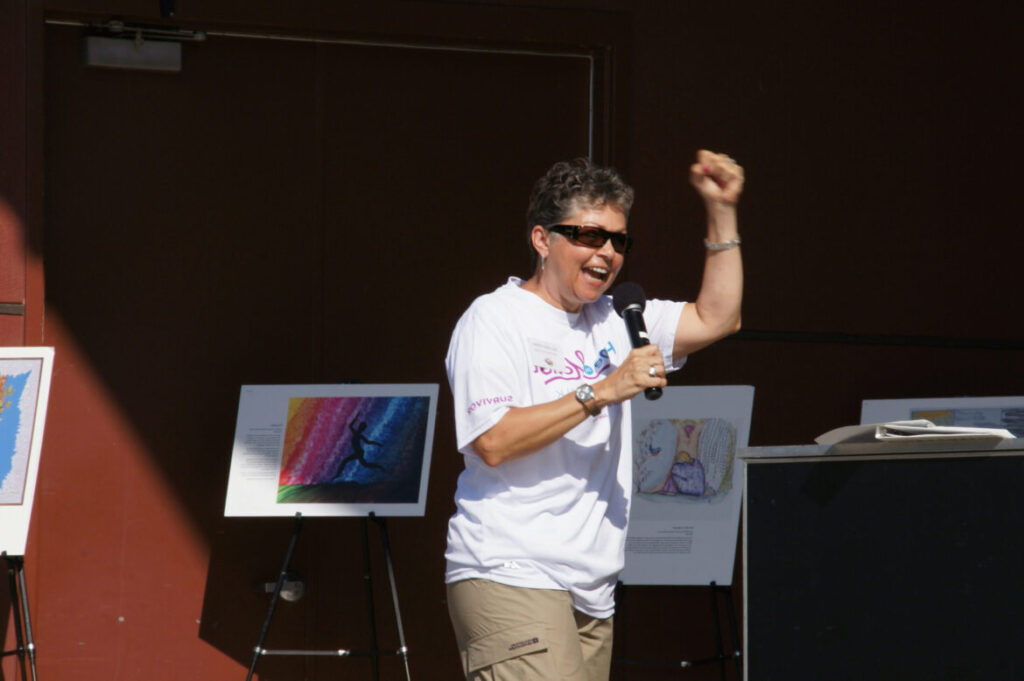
(241, 221)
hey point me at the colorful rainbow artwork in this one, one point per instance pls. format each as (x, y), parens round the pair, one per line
(353, 449)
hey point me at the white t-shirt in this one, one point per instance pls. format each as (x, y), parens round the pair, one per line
(555, 519)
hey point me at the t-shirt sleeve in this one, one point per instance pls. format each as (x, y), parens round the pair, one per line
(662, 318)
(483, 373)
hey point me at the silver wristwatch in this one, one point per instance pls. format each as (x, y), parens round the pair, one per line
(585, 396)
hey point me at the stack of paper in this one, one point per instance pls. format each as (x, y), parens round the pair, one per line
(918, 429)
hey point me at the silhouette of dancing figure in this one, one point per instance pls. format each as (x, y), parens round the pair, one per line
(358, 439)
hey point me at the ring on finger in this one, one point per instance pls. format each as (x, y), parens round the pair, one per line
(652, 372)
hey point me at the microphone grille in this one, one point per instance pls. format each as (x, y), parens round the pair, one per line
(627, 294)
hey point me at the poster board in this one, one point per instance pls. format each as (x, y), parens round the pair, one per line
(977, 412)
(687, 485)
(332, 450)
(25, 375)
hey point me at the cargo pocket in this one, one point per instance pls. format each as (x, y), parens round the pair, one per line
(517, 641)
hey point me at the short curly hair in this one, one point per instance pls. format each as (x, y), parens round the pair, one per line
(570, 186)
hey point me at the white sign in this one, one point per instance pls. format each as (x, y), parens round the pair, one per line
(332, 450)
(687, 485)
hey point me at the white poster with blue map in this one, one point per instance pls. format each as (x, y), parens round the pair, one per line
(24, 391)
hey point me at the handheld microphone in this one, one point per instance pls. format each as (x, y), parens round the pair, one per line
(629, 301)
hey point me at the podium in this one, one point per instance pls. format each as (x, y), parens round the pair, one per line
(884, 561)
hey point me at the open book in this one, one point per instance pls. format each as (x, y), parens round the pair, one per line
(918, 429)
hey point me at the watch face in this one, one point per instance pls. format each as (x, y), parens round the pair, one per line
(585, 396)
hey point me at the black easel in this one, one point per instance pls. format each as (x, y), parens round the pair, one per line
(721, 657)
(373, 653)
(26, 647)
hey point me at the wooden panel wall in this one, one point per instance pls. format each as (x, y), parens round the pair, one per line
(879, 233)
(279, 212)
(13, 193)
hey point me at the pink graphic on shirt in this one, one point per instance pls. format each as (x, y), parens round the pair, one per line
(577, 368)
(498, 399)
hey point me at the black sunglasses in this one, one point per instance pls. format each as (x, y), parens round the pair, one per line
(594, 237)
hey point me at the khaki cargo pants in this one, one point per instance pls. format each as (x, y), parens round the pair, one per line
(508, 633)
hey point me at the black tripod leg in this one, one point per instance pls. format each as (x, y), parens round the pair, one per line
(12, 568)
(733, 632)
(30, 645)
(368, 579)
(258, 650)
(718, 630)
(402, 649)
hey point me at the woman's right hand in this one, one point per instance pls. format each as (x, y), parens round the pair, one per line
(633, 375)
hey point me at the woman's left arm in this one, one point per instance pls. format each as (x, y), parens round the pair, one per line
(716, 311)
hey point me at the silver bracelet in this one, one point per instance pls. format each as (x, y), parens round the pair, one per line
(722, 245)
